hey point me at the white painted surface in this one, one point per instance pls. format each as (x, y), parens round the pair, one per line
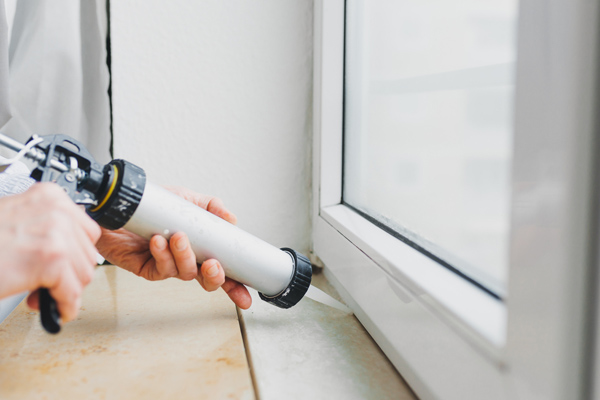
(551, 302)
(426, 346)
(453, 297)
(216, 96)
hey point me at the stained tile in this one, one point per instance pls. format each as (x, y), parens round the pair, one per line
(132, 339)
(312, 351)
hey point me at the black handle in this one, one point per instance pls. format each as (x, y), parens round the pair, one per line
(49, 312)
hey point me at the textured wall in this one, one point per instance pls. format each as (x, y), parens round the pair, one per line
(216, 95)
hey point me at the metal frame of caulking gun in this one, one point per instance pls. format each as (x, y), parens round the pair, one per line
(117, 195)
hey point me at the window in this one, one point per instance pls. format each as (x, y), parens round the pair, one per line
(428, 126)
(454, 172)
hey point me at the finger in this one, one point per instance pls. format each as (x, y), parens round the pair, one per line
(33, 300)
(67, 293)
(165, 263)
(90, 227)
(53, 193)
(201, 200)
(213, 275)
(65, 245)
(237, 293)
(212, 204)
(216, 206)
(185, 259)
(84, 257)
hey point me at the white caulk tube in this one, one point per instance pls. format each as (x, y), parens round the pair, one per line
(281, 276)
(245, 258)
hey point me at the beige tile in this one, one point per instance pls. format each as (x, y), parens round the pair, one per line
(312, 351)
(133, 339)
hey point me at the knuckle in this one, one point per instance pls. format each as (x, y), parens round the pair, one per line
(96, 231)
(48, 274)
(87, 276)
(167, 272)
(55, 224)
(71, 294)
(76, 292)
(94, 261)
(65, 290)
(166, 275)
(56, 218)
(171, 273)
(213, 201)
(50, 251)
(59, 245)
(188, 275)
(49, 191)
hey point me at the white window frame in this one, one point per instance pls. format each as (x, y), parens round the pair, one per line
(539, 344)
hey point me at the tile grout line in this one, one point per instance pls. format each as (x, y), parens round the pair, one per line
(247, 351)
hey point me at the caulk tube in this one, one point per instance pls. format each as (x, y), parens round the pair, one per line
(244, 257)
(282, 276)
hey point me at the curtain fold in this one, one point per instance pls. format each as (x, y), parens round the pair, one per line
(57, 75)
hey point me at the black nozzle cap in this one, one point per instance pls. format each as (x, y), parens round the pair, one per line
(125, 197)
(299, 283)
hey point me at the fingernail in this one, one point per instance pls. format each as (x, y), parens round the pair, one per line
(161, 244)
(181, 244)
(212, 271)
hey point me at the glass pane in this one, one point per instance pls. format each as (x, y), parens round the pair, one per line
(428, 126)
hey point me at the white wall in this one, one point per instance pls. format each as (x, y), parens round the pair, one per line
(216, 95)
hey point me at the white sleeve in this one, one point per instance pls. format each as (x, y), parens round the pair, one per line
(15, 179)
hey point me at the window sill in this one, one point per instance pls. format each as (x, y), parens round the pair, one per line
(439, 288)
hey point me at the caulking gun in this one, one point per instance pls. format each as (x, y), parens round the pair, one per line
(117, 195)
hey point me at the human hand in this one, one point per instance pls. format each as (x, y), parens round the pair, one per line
(159, 259)
(46, 241)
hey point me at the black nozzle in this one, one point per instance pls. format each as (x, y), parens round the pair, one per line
(299, 283)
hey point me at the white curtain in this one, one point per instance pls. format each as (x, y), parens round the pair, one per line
(53, 79)
(58, 78)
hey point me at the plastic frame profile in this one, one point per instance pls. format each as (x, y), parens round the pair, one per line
(450, 340)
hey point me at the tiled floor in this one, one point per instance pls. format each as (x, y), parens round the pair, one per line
(313, 351)
(133, 339)
(170, 339)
